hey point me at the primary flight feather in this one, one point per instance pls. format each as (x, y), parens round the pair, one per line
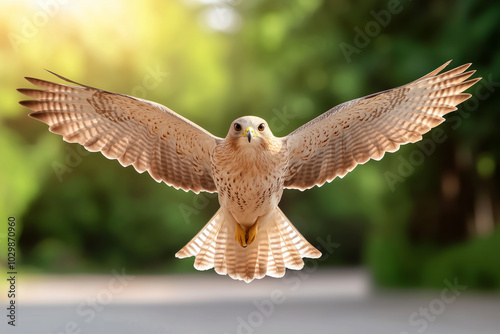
(249, 237)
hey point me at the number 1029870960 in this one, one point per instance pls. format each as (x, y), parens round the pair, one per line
(11, 243)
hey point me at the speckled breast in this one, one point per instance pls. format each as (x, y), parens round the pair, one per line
(249, 181)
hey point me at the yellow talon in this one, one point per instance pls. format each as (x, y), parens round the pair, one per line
(252, 234)
(245, 238)
(240, 236)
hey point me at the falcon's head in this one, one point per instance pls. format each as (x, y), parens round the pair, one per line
(250, 130)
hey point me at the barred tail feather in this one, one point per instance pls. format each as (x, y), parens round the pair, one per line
(278, 246)
(204, 244)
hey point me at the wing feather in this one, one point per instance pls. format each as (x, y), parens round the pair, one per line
(134, 131)
(354, 132)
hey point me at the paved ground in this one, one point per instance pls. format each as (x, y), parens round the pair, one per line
(320, 302)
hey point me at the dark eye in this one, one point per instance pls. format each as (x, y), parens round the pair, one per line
(261, 127)
(237, 126)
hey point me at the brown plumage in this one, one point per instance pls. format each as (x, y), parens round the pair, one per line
(249, 237)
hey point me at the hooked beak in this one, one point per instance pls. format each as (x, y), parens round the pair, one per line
(249, 136)
(249, 133)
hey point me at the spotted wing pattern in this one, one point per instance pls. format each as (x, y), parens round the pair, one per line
(354, 132)
(137, 132)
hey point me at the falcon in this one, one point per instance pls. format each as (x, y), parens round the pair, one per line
(249, 237)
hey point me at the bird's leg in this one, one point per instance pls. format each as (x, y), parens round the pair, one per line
(240, 235)
(252, 234)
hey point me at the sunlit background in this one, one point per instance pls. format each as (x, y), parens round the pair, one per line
(427, 213)
(421, 213)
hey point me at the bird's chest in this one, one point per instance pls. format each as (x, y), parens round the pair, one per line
(249, 184)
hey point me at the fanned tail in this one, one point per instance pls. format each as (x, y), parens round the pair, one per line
(278, 246)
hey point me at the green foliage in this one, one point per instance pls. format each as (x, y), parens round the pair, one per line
(470, 262)
(285, 62)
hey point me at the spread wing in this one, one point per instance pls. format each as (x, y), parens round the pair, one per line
(137, 132)
(354, 132)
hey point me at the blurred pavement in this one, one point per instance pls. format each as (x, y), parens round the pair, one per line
(338, 301)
